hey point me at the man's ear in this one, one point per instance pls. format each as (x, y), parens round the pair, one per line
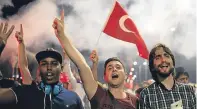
(62, 66)
(126, 76)
(105, 77)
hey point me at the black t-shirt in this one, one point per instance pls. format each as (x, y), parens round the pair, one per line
(6, 83)
(32, 97)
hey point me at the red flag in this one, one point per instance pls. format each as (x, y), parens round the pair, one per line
(121, 27)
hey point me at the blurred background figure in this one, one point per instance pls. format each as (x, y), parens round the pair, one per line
(181, 75)
(65, 80)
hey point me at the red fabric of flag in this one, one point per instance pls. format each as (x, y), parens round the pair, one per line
(121, 27)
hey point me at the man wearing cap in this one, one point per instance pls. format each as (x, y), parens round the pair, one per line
(49, 93)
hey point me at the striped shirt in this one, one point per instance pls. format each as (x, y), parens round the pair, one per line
(156, 96)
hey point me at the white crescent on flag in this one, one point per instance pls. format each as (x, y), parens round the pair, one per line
(121, 23)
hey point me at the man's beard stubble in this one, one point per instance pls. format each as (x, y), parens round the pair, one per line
(164, 75)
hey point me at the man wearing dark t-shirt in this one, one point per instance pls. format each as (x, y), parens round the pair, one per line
(6, 83)
(113, 98)
(32, 96)
(105, 100)
(49, 93)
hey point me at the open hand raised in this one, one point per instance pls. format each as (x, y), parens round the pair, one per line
(4, 32)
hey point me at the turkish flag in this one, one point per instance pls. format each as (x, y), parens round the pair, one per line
(121, 27)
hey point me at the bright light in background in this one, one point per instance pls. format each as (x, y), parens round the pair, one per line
(145, 63)
(17, 76)
(130, 73)
(132, 69)
(134, 63)
(134, 76)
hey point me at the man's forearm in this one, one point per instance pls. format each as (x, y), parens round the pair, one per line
(22, 55)
(77, 58)
(23, 65)
(94, 71)
(71, 51)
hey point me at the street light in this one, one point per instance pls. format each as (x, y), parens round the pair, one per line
(132, 69)
(134, 63)
(144, 63)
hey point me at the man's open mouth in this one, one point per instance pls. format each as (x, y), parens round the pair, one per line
(49, 76)
(164, 66)
(114, 76)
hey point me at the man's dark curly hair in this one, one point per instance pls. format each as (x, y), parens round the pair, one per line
(152, 56)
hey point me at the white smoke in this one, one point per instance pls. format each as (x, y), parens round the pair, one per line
(37, 18)
(169, 22)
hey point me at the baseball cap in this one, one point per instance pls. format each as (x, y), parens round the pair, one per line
(49, 52)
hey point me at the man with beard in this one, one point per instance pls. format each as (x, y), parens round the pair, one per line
(165, 92)
(49, 94)
(115, 75)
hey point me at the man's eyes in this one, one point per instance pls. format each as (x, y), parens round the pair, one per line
(53, 63)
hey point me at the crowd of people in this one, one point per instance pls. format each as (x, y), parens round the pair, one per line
(58, 86)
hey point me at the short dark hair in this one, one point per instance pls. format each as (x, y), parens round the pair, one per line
(112, 59)
(152, 56)
(178, 74)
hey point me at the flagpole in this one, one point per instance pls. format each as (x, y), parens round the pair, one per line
(98, 39)
(105, 24)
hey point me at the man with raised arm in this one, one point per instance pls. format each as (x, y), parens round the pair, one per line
(6, 84)
(113, 98)
(49, 93)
